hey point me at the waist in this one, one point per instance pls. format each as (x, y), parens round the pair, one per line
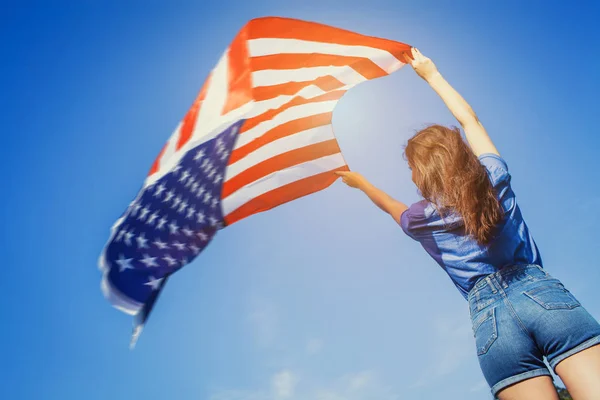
(503, 278)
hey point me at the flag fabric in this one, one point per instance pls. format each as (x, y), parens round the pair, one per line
(258, 135)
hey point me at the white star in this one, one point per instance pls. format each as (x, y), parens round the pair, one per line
(180, 246)
(128, 236)
(194, 187)
(233, 130)
(207, 197)
(201, 191)
(204, 163)
(161, 223)
(211, 173)
(214, 202)
(201, 217)
(159, 190)
(176, 169)
(173, 228)
(152, 217)
(182, 206)
(149, 261)
(153, 282)
(195, 249)
(184, 176)
(190, 182)
(170, 260)
(224, 155)
(202, 236)
(135, 209)
(124, 263)
(199, 155)
(141, 240)
(169, 196)
(218, 179)
(187, 232)
(160, 245)
(120, 235)
(143, 213)
(212, 221)
(176, 202)
(191, 211)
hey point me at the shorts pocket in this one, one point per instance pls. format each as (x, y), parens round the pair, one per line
(553, 296)
(485, 331)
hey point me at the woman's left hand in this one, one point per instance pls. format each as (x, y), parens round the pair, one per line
(352, 179)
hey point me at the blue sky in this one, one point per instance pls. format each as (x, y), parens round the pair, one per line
(320, 299)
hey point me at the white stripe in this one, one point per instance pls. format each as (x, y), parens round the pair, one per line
(307, 92)
(279, 179)
(227, 120)
(216, 96)
(170, 147)
(209, 122)
(285, 144)
(208, 117)
(269, 46)
(293, 113)
(269, 77)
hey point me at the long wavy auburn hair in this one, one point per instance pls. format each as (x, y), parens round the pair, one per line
(450, 176)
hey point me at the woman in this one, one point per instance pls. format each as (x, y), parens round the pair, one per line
(470, 223)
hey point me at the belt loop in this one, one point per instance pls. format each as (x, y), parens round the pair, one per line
(489, 281)
(501, 282)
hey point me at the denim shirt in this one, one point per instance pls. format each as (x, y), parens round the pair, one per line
(463, 259)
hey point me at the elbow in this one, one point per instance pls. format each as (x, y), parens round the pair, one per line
(469, 120)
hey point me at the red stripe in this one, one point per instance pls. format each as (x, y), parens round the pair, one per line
(283, 130)
(286, 28)
(239, 74)
(296, 101)
(363, 66)
(325, 83)
(156, 164)
(280, 162)
(189, 121)
(284, 194)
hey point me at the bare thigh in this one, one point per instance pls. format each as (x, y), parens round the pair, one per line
(581, 374)
(538, 388)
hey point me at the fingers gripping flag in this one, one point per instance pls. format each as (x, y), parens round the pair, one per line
(258, 135)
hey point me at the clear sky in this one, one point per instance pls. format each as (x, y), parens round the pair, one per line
(323, 298)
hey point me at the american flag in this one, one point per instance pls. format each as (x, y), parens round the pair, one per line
(258, 135)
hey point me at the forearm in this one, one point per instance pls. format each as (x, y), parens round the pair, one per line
(384, 201)
(377, 196)
(457, 105)
(475, 133)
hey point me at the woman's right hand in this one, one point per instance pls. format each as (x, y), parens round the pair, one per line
(352, 179)
(422, 65)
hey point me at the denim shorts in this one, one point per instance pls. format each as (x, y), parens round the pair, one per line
(521, 314)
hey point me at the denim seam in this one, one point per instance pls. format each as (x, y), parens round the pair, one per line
(519, 378)
(583, 346)
(514, 314)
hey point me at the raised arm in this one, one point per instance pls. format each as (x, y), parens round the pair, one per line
(381, 199)
(476, 134)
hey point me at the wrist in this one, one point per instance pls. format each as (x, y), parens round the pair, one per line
(433, 77)
(365, 186)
